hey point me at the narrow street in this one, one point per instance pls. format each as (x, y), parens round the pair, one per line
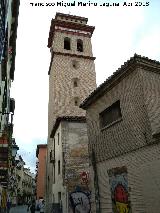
(20, 209)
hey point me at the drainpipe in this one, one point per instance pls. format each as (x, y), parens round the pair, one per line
(96, 185)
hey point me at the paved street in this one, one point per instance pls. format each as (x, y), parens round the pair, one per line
(20, 209)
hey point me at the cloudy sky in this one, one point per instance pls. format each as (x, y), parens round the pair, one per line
(120, 31)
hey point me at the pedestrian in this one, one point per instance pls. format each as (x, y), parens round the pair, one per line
(33, 206)
(8, 204)
(42, 206)
(28, 205)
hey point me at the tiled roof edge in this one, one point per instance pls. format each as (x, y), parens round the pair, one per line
(133, 60)
(66, 118)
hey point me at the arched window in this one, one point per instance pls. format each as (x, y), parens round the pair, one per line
(75, 82)
(79, 45)
(67, 43)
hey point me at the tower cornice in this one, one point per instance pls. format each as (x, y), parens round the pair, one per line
(71, 16)
(69, 27)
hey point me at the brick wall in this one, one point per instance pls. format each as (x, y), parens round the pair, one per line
(143, 180)
(129, 142)
(151, 88)
(132, 132)
(61, 91)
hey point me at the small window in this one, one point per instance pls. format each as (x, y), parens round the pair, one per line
(67, 43)
(54, 144)
(59, 167)
(58, 138)
(76, 101)
(54, 175)
(110, 115)
(75, 64)
(79, 45)
(75, 82)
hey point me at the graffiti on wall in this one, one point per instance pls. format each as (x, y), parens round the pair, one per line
(76, 165)
(80, 202)
(119, 190)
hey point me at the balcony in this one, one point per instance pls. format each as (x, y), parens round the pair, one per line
(3, 141)
(12, 105)
(3, 164)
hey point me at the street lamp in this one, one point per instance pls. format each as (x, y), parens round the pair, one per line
(15, 148)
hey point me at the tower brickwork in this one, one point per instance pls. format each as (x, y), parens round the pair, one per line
(71, 77)
(72, 71)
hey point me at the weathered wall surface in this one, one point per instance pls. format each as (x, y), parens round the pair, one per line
(72, 152)
(132, 132)
(76, 159)
(75, 148)
(151, 89)
(127, 159)
(143, 172)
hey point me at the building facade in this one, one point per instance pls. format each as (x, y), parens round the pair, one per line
(123, 118)
(69, 157)
(9, 11)
(41, 153)
(71, 79)
(19, 177)
(24, 182)
(28, 185)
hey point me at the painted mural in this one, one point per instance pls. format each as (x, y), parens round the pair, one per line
(80, 202)
(118, 181)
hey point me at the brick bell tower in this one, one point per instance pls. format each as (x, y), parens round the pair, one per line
(71, 74)
(72, 71)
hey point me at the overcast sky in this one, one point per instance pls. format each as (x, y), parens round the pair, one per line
(120, 31)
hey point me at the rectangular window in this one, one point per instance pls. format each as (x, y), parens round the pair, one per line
(59, 167)
(58, 138)
(67, 43)
(54, 173)
(110, 115)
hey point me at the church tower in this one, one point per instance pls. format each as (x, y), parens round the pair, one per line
(71, 79)
(72, 71)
